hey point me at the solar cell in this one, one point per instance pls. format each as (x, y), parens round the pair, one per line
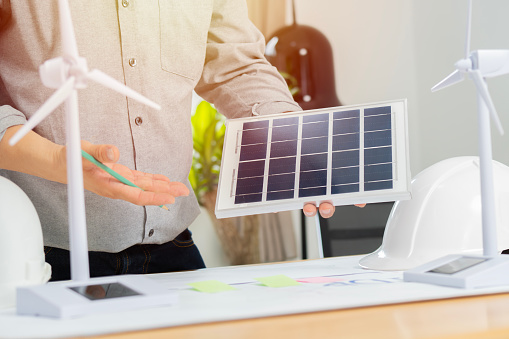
(344, 155)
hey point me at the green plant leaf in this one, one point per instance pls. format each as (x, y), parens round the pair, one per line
(201, 120)
(208, 138)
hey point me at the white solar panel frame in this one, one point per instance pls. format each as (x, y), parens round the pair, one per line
(225, 204)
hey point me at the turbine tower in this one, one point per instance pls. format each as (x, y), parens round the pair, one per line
(479, 65)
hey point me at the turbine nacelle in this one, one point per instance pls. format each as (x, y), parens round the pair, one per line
(55, 72)
(491, 62)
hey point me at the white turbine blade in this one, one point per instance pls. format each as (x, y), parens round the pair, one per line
(49, 106)
(482, 89)
(469, 26)
(69, 45)
(450, 80)
(105, 80)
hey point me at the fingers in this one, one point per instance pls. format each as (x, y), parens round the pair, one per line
(309, 210)
(160, 196)
(326, 210)
(149, 191)
(123, 183)
(158, 183)
(103, 153)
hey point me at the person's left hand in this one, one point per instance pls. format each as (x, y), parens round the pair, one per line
(326, 209)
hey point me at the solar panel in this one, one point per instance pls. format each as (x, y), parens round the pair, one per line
(343, 155)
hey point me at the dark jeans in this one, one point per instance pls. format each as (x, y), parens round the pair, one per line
(179, 254)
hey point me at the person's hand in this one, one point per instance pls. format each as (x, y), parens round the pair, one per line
(157, 188)
(326, 209)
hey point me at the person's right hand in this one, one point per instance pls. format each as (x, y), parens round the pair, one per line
(157, 188)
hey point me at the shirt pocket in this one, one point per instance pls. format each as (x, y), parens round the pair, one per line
(184, 26)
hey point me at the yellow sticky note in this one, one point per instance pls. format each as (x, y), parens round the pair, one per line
(280, 280)
(211, 286)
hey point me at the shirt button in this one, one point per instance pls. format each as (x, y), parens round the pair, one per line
(132, 62)
(125, 3)
(151, 233)
(138, 121)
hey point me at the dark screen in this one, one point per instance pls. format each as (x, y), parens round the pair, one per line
(104, 291)
(457, 265)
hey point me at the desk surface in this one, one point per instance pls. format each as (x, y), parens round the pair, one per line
(358, 304)
(483, 317)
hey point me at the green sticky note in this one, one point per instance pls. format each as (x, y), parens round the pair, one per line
(211, 286)
(280, 280)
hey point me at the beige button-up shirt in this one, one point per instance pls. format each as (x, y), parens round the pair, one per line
(163, 49)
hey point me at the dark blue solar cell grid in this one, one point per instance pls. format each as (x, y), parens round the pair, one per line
(282, 165)
(349, 175)
(346, 126)
(377, 122)
(346, 114)
(255, 124)
(255, 136)
(285, 133)
(379, 138)
(250, 173)
(316, 117)
(247, 198)
(285, 121)
(340, 189)
(377, 158)
(345, 142)
(345, 159)
(253, 152)
(315, 145)
(377, 110)
(379, 185)
(249, 185)
(313, 162)
(311, 192)
(377, 172)
(377, 155)
(281, 182)
(313, 179)
(280, 195)
(315, 129)
(251, 169)
(283, 149)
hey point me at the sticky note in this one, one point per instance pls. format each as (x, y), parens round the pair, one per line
(319, 280)
(211, 286)
(278, 281)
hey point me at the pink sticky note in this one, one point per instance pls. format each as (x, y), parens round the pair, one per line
(319, 280)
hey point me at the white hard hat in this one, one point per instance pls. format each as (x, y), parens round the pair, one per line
(21, 247)
(443, 217)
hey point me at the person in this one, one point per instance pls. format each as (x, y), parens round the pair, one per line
(164, 50)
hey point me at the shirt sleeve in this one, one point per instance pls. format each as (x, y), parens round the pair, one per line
(236, 77)
(9, 116)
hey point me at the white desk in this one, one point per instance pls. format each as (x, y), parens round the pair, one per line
(355, 302)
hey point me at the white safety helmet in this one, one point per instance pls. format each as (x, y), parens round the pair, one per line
(443, 217)
(21, 248)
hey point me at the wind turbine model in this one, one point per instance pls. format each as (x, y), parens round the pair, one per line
(491, 268)
(69, 73)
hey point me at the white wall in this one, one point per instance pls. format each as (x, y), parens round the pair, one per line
(395, 49)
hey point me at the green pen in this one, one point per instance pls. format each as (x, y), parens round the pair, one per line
(112, 172)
